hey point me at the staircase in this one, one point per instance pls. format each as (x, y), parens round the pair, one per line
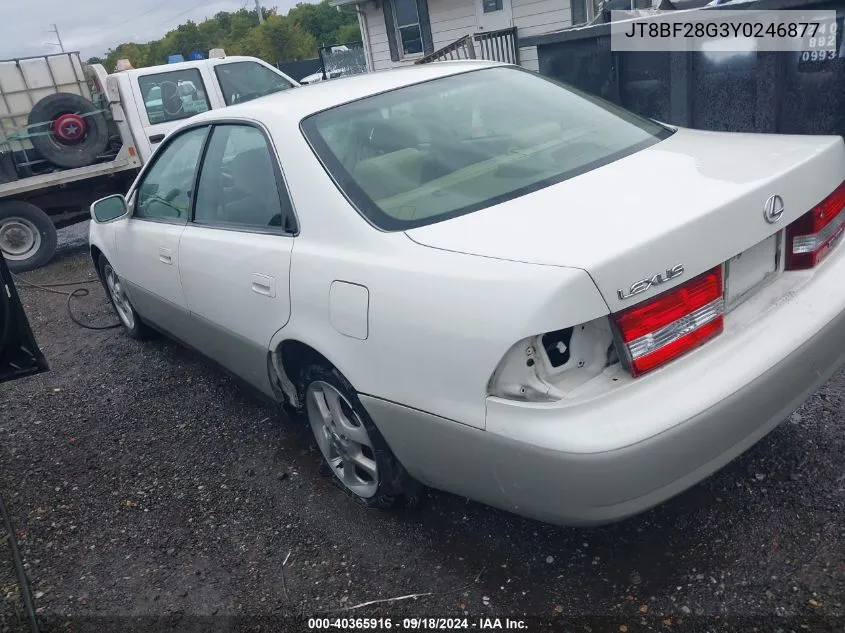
(497, 46)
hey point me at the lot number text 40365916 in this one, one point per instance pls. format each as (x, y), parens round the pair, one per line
(416, 624)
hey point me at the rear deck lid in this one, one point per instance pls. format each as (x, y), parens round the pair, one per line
(686, 204)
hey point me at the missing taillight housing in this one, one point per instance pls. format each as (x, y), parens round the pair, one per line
(672, 323)
(812, 236)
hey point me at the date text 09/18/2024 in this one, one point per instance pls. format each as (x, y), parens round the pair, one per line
(416, 624)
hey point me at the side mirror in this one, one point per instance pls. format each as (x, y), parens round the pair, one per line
(108, 209)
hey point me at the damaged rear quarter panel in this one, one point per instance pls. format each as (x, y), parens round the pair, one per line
(440, 322)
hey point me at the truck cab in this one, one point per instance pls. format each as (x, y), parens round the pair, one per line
(71, 133)
(154, 100)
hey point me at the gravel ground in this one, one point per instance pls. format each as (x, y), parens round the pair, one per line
(145, 483)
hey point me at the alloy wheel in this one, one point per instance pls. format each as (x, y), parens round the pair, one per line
(121, 302)
(342, 438)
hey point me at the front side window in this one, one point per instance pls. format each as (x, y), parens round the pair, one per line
(174, 95)
(165, 191)
(408, 26)
(244, 81)
(238, 185)
(439, 149)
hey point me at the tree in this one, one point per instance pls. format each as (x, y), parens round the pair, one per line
(296, 35)
(241, 23)
(187, 38)
(348, 33)
(135, 53)
(284, 39)
(322, 20)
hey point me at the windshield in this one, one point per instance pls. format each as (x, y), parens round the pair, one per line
(432, 151)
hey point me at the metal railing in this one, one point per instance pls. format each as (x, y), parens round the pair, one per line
(497, 46)
(463, 48)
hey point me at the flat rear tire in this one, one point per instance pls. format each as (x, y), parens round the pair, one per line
(353, 449)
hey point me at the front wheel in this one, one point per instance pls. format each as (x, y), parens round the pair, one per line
(354, 450)
(120, 301)
(27, 236)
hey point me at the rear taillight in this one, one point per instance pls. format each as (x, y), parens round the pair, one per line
(812, 236)
(672, 323)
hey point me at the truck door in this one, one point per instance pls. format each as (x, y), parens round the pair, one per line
(166, 97)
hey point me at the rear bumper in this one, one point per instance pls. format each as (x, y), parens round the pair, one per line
(619, 454)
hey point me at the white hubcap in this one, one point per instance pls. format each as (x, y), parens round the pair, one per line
(19, 238)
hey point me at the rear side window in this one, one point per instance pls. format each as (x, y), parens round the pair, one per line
(244, 81)
(239, 185)
(174, 95)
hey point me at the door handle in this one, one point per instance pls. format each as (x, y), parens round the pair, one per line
(263, 285)
(156, 138)
(165, 256)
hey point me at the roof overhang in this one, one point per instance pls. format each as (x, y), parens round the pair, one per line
(341, 3)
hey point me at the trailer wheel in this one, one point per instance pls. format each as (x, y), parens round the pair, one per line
(68, 130)
(27, 236)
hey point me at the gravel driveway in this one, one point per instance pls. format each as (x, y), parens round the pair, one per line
(144, 482)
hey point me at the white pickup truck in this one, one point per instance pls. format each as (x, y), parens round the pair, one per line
(71, 133)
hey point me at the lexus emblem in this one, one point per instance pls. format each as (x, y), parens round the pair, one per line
(773, 209)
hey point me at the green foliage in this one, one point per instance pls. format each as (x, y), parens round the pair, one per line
(324, 22)
(296, 35)
(348, 33)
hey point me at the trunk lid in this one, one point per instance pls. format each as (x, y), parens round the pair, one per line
(694, 200)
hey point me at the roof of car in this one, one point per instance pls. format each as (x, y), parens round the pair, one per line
(306, 100)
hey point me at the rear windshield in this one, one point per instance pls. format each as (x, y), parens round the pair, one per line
(432, 151)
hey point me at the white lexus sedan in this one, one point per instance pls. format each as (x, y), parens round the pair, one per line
(468, 276)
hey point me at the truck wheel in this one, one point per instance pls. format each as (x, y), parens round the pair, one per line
(72, 132)
(27, 236)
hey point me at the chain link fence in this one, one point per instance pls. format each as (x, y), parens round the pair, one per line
(342, 60)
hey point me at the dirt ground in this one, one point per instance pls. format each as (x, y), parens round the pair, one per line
(144, 483)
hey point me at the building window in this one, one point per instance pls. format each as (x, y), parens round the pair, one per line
(584, 11)
(408, 29)
(491, 6)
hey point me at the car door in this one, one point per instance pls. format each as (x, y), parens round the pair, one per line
(19, 353)
(166, 98)
(147, 242)
(234, 256)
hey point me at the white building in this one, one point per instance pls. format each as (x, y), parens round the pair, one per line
(398, 32)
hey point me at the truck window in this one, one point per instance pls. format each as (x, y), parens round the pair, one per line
(173, 95)
(243, 81)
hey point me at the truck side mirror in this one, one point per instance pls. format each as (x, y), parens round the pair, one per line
(108, 209)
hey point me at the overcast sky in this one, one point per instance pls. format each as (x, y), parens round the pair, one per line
(93, 26)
